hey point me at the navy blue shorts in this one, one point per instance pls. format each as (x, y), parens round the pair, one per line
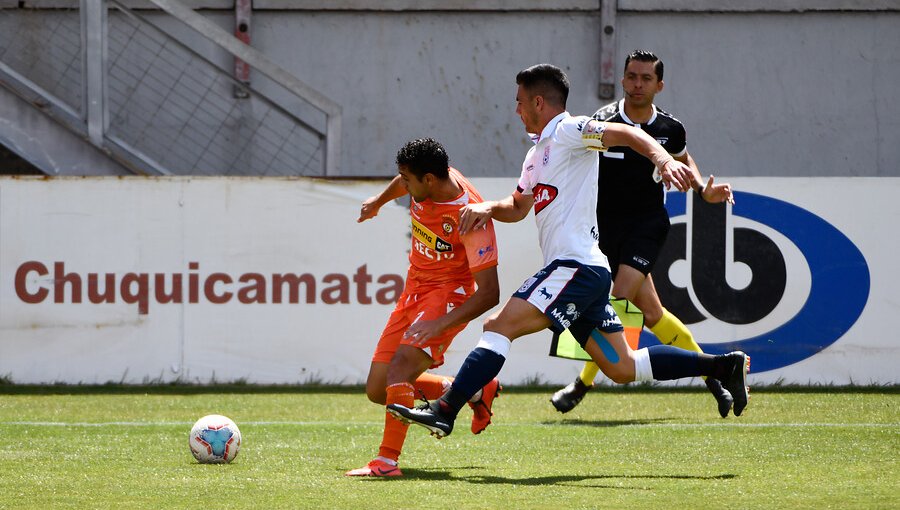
(573, 296)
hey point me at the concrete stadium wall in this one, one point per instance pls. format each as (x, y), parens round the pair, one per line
(762, 94)
(764, 89)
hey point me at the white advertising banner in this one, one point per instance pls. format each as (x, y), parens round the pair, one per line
(139, 280)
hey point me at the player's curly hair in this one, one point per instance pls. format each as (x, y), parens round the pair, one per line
(547, 81)
(424, 156)
(646, 56)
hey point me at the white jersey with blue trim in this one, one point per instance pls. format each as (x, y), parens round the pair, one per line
(561, 172)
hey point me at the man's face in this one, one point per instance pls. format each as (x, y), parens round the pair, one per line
(640, 83)
(527, 110)
(418, 189)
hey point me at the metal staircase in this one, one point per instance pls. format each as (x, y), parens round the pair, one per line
(132, 88)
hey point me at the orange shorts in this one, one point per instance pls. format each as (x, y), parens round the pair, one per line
(421, 304)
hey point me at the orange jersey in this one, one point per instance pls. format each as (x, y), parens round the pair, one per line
(439, 255)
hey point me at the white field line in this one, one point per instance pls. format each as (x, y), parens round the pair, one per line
(373, 424)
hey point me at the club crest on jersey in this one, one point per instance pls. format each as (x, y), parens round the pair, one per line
(429, 238)
(543, 195)
(528, 283)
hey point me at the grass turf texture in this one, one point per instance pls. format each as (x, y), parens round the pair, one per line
(115, 447)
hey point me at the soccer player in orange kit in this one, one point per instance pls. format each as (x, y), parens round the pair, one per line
(452, 279)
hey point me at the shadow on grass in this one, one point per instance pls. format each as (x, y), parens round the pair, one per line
(568, 480)
(609, 423)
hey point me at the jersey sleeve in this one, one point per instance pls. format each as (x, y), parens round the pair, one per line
(677, 143)
(585, 132)
(526, 184)
(481, 247)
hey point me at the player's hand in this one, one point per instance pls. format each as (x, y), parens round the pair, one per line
(421, 331)
(368, 210)
(474, 216)
(676, 173)
(717, 193)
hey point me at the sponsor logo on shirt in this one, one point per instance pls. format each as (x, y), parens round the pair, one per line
(429, 238)
(543, 195)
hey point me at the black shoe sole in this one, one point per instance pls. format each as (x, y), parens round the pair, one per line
(741, 392)
(434, 431)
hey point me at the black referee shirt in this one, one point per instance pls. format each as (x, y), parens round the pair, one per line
(626, 178)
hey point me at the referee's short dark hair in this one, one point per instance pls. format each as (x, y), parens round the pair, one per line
(547, 81)
(424, 156)
(646, 56)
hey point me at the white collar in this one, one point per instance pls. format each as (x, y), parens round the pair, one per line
(548, 129)
(626, 119)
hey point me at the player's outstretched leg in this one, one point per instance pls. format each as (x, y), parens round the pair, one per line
(671, 331)
(478, 371)
(481, 408)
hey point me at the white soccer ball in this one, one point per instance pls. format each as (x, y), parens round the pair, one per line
(215, 439)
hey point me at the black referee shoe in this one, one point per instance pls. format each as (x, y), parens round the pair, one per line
(567, 398)
(724, 398)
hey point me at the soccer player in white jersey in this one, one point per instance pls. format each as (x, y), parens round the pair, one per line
(559, 179)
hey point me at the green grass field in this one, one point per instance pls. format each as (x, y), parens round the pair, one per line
(633, 448)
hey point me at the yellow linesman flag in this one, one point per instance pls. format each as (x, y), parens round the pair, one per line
(565, 346)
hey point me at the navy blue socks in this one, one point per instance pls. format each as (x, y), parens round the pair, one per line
(480, 367)
(673, 363)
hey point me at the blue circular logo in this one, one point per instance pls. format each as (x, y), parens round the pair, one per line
(839, 277)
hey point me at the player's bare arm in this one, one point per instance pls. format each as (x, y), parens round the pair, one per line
(710, 192)
(485, 297)
(509, 210)
(372, 205)
(673, 172)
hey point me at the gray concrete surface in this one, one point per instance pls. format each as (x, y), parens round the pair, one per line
(799, 90)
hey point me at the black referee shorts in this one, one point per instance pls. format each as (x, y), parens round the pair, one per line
(634, 240)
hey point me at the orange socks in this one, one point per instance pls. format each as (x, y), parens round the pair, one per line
(394, 429)
(432, 386)
(428, 385)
